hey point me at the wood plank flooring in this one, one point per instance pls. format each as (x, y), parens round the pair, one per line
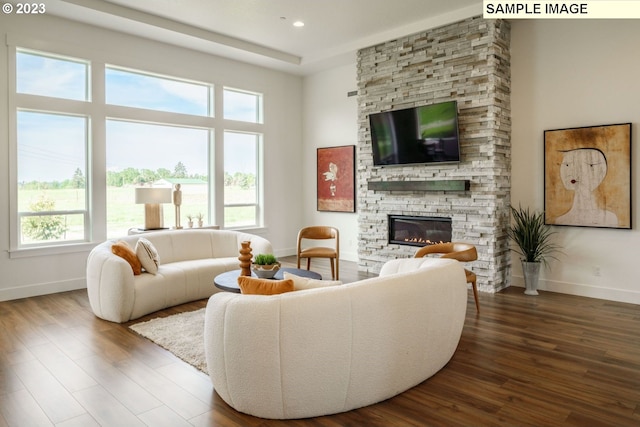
(552, 360)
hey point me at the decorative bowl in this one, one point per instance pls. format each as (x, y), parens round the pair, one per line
(265, 271)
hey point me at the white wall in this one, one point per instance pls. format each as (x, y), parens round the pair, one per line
(572, 73)
(330, 119)
(40, 274)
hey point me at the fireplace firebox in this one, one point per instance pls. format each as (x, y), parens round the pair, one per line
(419, 230)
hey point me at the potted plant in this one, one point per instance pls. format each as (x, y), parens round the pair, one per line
(265, 266)
(199, 217)
(533, 239)
(190, 221)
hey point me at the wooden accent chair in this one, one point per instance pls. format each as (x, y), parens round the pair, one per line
(463, 252)
(320, 233)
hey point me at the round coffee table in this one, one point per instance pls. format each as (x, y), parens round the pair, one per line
(228, 281)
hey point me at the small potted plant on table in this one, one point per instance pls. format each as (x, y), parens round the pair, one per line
(265, 266)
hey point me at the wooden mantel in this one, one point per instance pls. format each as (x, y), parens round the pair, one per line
(431, 185)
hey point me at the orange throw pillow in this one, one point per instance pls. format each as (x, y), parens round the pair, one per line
(253, 286)
(123, 250)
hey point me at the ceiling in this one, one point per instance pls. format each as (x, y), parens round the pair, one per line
(262, 32)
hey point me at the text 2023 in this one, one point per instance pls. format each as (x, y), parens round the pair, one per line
(30, 8)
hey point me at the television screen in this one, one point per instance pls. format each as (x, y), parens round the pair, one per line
(426, 134)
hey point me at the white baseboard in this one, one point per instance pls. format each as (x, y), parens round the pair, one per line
(590, 291)
(42, 289)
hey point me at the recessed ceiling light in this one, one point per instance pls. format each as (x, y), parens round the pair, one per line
(298, 24)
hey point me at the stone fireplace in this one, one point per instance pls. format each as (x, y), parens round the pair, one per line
(418, 230)
(469, 62)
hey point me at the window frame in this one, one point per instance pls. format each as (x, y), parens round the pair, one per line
(45, 105)
(208, 148)
(259, 104)
(258, 219)
(55, 56)
(210, 86)
(97, 111)
(85, 212)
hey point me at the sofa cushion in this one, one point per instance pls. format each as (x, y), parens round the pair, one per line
(148, 255)
(123, 250)
(253, 286)
(303, 283)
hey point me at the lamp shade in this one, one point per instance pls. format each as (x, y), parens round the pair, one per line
(153, 195)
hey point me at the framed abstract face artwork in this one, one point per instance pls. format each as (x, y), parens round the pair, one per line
(587, 177)
(336, 179)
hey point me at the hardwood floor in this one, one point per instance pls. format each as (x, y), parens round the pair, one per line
(548, 360)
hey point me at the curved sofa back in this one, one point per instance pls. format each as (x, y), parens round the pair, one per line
(332, 349)
(184, 245)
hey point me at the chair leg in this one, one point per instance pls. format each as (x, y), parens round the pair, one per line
(475, 294)
(298, 262)
(308, 263)
(333, 273)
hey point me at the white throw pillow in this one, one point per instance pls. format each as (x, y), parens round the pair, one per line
(302, 283)
(148, 255)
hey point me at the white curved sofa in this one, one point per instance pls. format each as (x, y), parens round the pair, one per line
(189, 261)
(332, 349)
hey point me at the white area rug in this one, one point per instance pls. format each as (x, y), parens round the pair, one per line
(182, 334)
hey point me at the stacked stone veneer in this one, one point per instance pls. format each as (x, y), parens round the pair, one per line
(469, 62)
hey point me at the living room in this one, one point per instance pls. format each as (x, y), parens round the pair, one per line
(577, 91)
(564, 74)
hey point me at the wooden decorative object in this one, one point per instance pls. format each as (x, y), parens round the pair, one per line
(245, 258)
(153, 216)
(177, 201)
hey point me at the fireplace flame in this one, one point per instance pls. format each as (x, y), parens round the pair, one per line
(422, 241)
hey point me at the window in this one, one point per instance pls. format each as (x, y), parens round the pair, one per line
(135, 89)
(241, 179)
(242, 106)
(39, 74)
(150, 130)
(140, 154)
(52, 138)
(52, 198)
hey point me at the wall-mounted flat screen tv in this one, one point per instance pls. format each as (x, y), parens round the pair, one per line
(426, 134)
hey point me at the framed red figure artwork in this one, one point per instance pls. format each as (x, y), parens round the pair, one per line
(587, 177)
(336, 179)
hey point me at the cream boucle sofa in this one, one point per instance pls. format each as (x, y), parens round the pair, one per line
(332, 349)
(189, 261)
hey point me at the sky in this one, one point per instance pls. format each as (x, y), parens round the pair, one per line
(51, 146)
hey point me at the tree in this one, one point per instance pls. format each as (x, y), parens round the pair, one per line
(44, 227)
(129, 176)
(180, 171)
(148, 176)
(163, 173)
(114, 179)
(78, 179)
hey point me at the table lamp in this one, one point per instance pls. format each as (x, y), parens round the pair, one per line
(152, 197)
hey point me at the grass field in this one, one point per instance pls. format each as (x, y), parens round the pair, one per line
(123, 213)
